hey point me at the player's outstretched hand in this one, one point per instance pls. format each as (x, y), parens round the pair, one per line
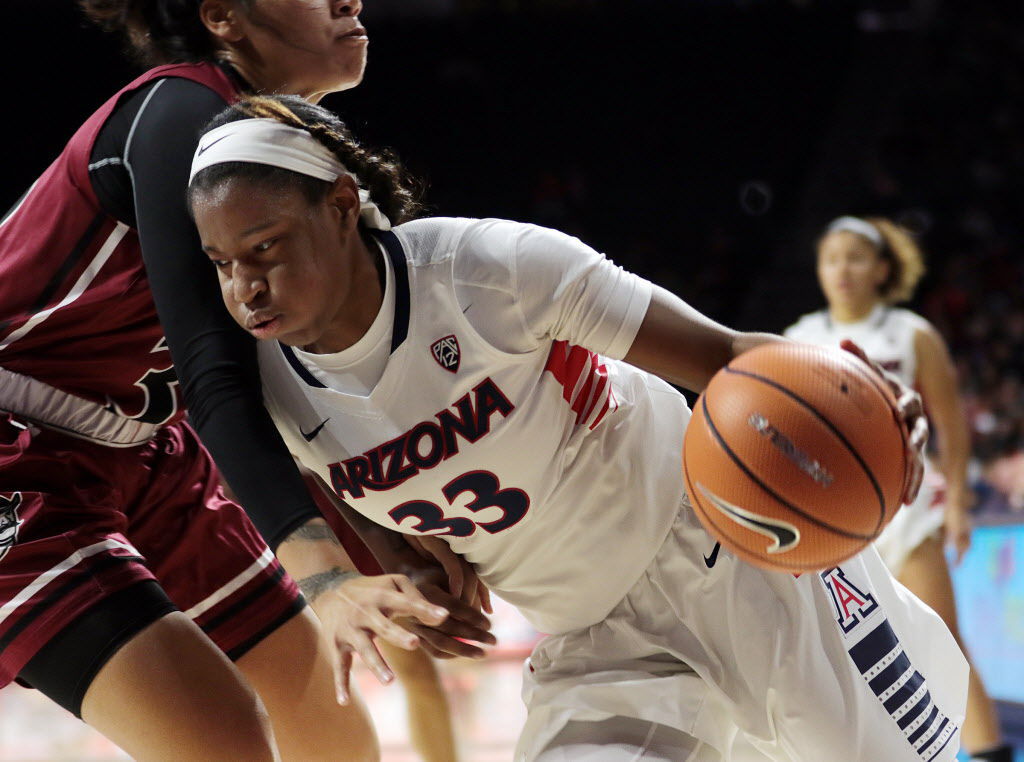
(465, 621)
(354, 609)
(911, 413)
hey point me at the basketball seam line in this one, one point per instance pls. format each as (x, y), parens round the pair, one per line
(753, 477)
(839, 435)
(870, 376)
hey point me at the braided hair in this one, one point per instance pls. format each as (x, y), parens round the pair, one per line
(394, 192)
(157, 31)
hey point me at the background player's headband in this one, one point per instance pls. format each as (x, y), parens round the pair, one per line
(858, 226)
(267, 141)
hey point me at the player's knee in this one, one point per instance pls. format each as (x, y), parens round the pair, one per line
(241, 733)
(345, 734)
(358, 749)
(183, 696)
(231, 722)
(358, 746)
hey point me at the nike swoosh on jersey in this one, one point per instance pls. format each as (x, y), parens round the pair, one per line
(712, 559)
(312, 435)
(784, 536)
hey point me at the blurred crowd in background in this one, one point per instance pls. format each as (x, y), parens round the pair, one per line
(951, 167)
(947, 163)
(945, 159)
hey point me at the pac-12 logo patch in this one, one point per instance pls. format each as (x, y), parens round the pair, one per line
(9, 522)
(852, 604)
(446, 352)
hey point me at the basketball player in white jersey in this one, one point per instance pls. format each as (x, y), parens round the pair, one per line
(456, 378)
(865, 268)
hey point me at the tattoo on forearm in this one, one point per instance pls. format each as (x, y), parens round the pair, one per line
(314, 531)
(384, 544)
(316, 584)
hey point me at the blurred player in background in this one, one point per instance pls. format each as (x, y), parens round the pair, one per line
(128, 582)
(865, 268)
(454, 377)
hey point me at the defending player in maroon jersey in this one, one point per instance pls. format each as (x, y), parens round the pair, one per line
(76, 312)
(126, 576)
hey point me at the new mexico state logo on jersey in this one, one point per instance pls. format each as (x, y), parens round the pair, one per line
(423, 446)
(9, 522)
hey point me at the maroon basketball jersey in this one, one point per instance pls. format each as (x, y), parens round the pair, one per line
(75, 307)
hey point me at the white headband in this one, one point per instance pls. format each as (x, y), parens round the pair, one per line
(860, 227)
(268, 141)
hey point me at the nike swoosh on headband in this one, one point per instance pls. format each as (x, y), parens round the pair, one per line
(208, 146)
(784, 536)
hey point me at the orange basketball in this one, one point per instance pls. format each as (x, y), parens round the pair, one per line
(794, 458)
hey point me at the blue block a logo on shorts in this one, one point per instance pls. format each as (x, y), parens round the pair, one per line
(879, 656)
(9, 522)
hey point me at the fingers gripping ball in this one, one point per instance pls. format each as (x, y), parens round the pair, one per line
(795, 458)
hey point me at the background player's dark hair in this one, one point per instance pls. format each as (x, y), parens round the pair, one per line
(390, 186)
(157, 31)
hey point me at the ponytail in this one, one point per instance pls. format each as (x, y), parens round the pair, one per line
(906, 262)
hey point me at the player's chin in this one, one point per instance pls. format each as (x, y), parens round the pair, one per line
(350, 70)
(297, 338)
(291, 340)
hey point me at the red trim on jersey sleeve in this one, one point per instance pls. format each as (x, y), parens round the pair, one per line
(584, 380)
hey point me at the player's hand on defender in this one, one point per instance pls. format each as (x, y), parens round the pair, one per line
(911, 413)
(463, 581)
(465, 621)
(354, 609)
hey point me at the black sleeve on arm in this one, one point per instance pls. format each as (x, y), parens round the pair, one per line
(214, 358)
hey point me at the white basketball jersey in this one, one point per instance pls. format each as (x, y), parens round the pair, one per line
(886, 335)
(556, 471)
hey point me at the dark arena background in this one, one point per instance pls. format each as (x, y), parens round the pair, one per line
(703, 144)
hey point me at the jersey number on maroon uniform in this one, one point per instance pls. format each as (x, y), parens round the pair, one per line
(159, 388)
(487, 493)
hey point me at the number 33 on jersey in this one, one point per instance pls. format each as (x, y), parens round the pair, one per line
(424, 447)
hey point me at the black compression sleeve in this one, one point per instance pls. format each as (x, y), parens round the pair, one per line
(214, 358)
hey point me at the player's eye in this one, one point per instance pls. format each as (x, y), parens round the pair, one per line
(264, 245)
(220, 264)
